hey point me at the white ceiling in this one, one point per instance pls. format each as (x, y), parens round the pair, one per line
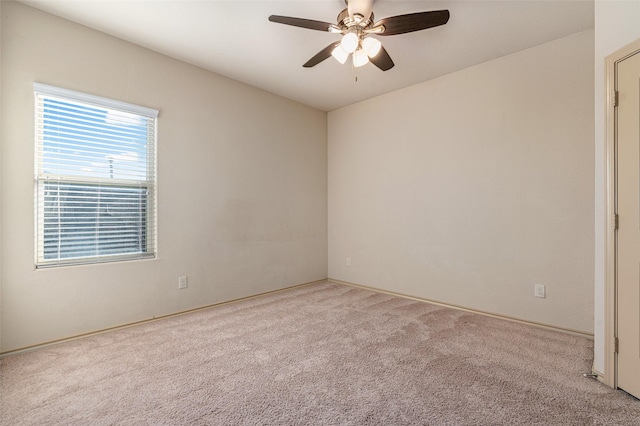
(235, 39)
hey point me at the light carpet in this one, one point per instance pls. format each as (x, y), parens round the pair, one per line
(323, 354)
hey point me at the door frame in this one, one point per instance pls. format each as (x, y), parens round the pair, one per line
(610, 307)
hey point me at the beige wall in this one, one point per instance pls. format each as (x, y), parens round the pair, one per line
(471, 188)
(1, 176)
(467, 189)
(242, 185)
(617, 24)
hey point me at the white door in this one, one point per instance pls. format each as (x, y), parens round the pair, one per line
(628, 200)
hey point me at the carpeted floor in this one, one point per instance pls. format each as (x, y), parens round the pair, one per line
(324, 354)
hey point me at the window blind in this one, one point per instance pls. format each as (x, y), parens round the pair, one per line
(95, 178)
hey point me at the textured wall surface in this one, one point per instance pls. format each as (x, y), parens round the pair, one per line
(471, 188)
(241, 188)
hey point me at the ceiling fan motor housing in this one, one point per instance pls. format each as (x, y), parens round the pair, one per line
(364, 8)
(346, 21)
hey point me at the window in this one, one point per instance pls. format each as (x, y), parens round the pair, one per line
(95, 178)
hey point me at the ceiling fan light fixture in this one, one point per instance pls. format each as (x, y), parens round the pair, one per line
(350, 42)
(371, 46)
(357, 25)
(340, 54)
(360, 58)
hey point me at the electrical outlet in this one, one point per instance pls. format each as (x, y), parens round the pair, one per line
(539, 291)
(348, 261)
(182, 282)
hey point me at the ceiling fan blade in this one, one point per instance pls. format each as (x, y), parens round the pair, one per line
(382, 60)
(321, 55)
(302, 23)
(412, 22)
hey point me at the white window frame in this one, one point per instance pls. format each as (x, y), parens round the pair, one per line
(41, 178)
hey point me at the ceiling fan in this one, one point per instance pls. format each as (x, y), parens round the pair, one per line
(357, 26)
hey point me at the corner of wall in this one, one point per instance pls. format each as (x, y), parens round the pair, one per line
(1, 127)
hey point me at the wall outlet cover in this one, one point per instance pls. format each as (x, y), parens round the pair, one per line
(182, 282)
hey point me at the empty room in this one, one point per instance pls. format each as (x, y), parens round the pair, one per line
(319, 212)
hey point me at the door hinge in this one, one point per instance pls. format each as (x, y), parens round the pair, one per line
(616, 344)
(616, 98)
(616, 222)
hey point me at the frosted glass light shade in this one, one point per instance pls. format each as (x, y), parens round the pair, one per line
(360, 58)
(371, 46)
(349, 42)
(340, 54)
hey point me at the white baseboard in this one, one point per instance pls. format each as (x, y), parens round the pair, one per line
(475, 311)
(133, 324)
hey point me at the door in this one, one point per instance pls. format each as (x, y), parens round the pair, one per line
(628, 208)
